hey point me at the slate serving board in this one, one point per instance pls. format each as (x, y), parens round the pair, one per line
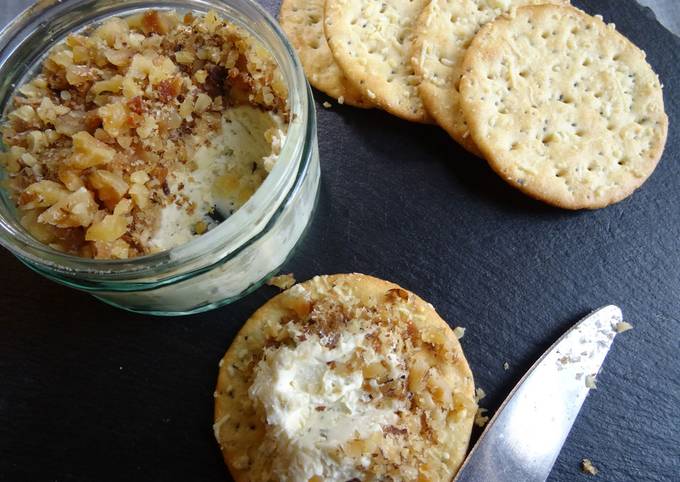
(88, 392)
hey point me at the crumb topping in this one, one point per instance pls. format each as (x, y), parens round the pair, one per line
(481, 419)
(93, 140)
(622, 326)
(282, 281)
(587, 467)
(591, 382)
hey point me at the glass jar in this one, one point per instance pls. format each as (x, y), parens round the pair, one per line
(230, 260)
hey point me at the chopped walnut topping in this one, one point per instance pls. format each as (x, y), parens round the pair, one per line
(392, 430)
(396, 294)
(117, 109)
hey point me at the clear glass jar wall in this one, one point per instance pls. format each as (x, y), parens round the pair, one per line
(231, 259)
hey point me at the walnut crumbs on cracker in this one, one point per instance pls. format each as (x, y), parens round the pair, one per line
(344, 377)
(121, 122)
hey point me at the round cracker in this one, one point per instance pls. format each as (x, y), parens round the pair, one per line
(439, 384)
(372, 43)
(302, 21)
(443, 32)
(563, 106)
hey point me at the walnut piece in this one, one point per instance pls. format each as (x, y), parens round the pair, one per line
(42, 194)
(283, 281)
(75, 210)
(587, 467)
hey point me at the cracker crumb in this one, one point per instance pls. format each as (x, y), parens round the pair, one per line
(341, 100)
(587, 467)
(480, 418)
(459, 331)
(590, 382)
(283, 281)
(506, 366)
(327, 105)
(479, 394)
(622, 326)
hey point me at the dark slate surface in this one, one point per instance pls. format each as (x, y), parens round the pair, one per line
(88, 392)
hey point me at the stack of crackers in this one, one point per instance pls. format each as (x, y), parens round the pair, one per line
(560, 104)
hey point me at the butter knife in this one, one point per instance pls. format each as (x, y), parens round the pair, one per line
(523, 439)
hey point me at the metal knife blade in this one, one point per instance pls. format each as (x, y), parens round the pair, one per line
(525, 436)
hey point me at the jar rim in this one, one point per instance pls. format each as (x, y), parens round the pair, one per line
(230, 236)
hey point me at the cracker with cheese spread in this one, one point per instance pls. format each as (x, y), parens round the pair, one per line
(344, 377)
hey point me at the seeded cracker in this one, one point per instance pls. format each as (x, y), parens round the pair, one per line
(563, 106)
(389, 358)
(443, 32)
(302, 20)
(372, 43)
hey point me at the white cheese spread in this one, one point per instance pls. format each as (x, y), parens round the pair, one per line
(312, 408)
(226, 173)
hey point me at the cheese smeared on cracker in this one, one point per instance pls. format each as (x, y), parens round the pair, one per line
(313, 407)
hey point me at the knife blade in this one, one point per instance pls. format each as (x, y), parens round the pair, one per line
(523, 439)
